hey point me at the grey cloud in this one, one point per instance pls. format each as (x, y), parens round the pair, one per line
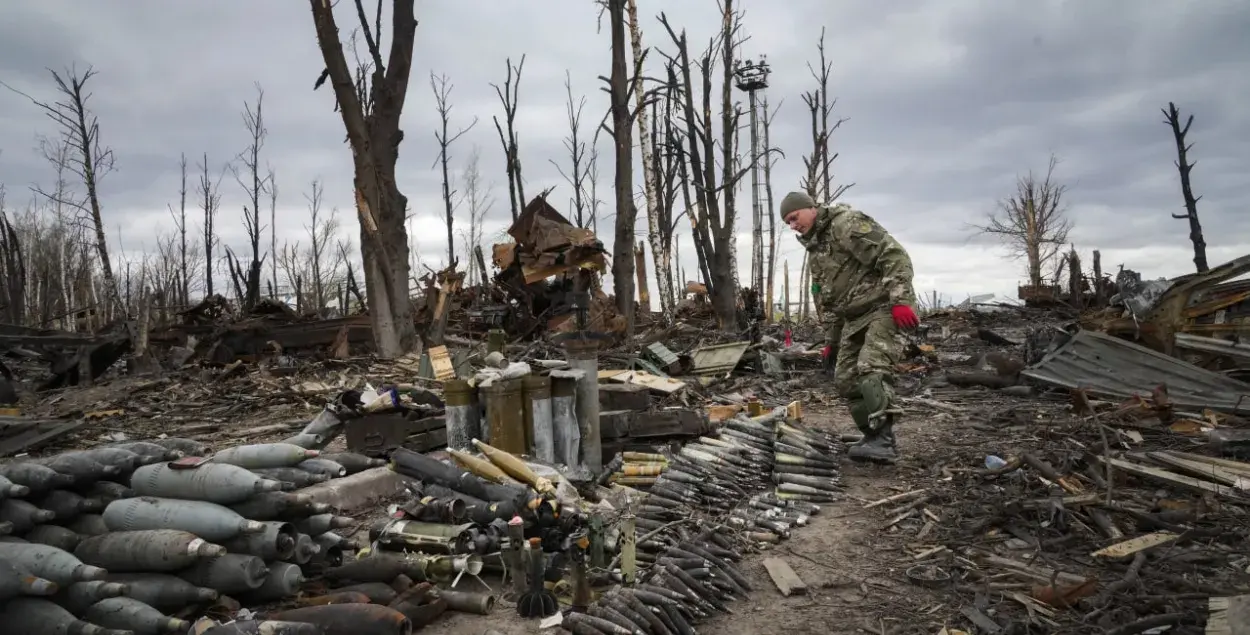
(947, 103)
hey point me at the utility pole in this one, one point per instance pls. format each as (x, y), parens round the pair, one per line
(751, 77)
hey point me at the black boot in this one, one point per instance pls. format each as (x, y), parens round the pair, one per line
(878, 447)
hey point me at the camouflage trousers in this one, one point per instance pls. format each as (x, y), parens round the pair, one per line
(867, 350)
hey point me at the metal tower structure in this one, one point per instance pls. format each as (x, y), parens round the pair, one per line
(752, 77)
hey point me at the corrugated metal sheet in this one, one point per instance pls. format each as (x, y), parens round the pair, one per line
(1112, 367)
(1230, 348)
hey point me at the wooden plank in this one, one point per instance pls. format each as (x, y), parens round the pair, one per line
(1239, 467)
(1201, 470)
(662, 385)
(1228, 615)
(1166, 477)
(1133, 546)
(441, 364)
(787, 581)
(37, 435)
(718, 413)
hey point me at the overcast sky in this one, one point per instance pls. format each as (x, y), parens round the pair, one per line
(947, 101)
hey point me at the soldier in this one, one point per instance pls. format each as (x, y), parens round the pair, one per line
(862, 281)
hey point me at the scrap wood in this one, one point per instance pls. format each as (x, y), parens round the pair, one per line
(662, 385)
(1133, 546)
(787, 581)
(1169, 478)
(1035, 572)
(1227, 464)
(895, 498)
(1228, 615)
(1201, 469)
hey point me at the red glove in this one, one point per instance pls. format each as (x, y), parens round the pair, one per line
(904, 317)
(826, 352)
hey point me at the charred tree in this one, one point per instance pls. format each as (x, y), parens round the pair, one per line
(210, 201)
(442, 102)
(180, 228)
(769, 161)
(619, 88)
(255, 186)
(1172, 117)
(714, 209)
(509, 94)
(12, 271)
(89, 160)
(1032, 223)
(576, 145)
(371, 110)
(818, 180)
(273, 233)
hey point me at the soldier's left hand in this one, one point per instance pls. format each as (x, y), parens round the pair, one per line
(904, 316)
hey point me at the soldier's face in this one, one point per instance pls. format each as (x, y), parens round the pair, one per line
(801, 220)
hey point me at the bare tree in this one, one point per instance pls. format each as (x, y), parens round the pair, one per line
(273, 232)
(1032, 223)
(87, 158)
(12, 271)
(477, 195)
(509, 94)
(256, 186)
(818, 182)
(371, 109)
(293, 264)
(713, 222)
(576, 176)
(666, 162)
(593, 202)
(623, 85)
(769, 161)
(1172, 117)
(323, 265)
(180, 228)
(649, 177)
(59, 248)
(210, 202)
(442, 101)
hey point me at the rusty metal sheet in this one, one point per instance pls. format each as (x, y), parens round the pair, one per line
(1105, 365)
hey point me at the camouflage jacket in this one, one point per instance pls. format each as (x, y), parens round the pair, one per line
(857, 265)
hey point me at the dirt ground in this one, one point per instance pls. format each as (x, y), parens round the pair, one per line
(852, 567)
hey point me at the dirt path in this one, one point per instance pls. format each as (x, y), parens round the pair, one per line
(849, 563)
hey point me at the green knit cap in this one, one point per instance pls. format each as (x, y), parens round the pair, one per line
(795, 201)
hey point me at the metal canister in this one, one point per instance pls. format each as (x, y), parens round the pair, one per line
(463, 424)
(538, 394)
(505, 417)
(566, 435)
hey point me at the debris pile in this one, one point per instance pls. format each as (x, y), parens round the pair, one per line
(1100, 489)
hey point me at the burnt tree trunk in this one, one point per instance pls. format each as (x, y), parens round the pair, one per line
(1173, 119)
(622, 141)
(372, 125)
